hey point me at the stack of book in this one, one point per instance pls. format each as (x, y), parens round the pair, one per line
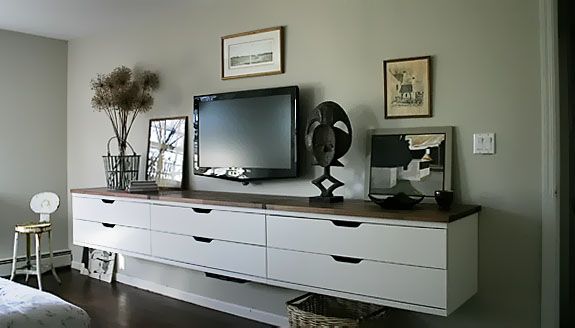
(143, 186)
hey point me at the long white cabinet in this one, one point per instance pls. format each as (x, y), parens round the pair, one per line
(423, 261)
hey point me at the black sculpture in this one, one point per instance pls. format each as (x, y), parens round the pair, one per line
(327, 143)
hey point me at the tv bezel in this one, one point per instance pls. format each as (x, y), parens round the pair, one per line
(250, 173)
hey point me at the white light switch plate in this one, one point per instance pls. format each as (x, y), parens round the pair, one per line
(484, 143)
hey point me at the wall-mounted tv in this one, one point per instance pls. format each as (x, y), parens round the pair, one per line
(246, 135)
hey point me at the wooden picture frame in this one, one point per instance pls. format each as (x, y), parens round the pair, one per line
(254, 53)
(167, 143)
(407, 87)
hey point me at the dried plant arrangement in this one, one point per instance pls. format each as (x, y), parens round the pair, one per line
(123, 94)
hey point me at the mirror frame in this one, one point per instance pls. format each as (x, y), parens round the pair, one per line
(185, 153)
(447, 130)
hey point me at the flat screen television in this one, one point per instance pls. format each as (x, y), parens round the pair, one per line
(246, 135)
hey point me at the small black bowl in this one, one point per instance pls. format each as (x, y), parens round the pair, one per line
(444, 199)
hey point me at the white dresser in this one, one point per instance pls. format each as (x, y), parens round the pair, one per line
(423, 260)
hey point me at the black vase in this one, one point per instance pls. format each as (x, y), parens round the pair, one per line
(444, 199)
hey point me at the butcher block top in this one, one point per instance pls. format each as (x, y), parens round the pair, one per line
(350, 207)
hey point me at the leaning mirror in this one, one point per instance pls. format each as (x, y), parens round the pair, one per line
(167, 151)
(413, 161)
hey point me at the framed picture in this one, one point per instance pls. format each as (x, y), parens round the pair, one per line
(166, 155)
(407, 87)
(414, 161)
(98, 264)
(252, 53)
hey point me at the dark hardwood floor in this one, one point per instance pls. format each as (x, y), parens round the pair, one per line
(119, 305)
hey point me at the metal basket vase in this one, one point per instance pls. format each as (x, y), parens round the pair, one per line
(121, 169)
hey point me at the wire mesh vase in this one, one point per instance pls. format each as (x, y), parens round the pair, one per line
(121, 169)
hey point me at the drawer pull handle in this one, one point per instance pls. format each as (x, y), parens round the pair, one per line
(108, 201)
(108, 225)
(225, 278)
(347, 224)
(203, 239)
(201, 210)
(345, 259)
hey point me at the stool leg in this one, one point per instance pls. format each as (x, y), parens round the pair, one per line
(14, 255)
(28, 256)
(52, 258)
(38, 262)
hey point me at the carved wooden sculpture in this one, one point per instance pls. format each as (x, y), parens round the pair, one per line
(327, 144)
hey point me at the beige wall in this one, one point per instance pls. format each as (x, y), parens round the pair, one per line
(486, 79)
(32, 132)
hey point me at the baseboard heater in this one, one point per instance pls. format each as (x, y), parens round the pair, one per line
(61, 258)
(33, 257)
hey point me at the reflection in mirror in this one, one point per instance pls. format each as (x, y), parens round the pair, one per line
(411, 161)
(412, 164)
(166, 151)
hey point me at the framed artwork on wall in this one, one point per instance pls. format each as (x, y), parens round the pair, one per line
(253, 53)
(407, 87)
(166, 157)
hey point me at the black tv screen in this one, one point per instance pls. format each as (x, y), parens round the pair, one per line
(246, 135)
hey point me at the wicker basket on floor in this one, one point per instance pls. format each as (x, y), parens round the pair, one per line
(313, 310)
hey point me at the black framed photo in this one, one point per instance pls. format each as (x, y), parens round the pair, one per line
(407, 87)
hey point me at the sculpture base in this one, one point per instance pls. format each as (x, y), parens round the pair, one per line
(328, 199)
(326, 193)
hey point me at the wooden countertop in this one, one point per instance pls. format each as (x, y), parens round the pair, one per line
(350, 207)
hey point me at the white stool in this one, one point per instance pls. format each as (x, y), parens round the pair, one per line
(44, 203)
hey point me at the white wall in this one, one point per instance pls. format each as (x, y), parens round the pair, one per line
(486, 79)
(32, 132)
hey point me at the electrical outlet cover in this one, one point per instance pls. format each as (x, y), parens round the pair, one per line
(484, 143)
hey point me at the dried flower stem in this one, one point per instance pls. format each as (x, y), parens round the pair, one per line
(122, 95)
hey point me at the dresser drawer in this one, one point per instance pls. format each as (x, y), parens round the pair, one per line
(223, 255)
(131, 214)
(118, 237)
(425, 247)
(223, 225)
(402, 283)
